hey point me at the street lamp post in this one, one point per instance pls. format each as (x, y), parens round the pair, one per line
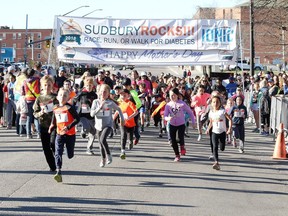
(75, 9)
(0, 49)
(92, 12)
(283, 28)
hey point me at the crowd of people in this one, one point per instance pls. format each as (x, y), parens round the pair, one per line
(55, 108)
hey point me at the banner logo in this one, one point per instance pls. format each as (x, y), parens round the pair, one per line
(70, 32)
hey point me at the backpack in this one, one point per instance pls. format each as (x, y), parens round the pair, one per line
(265, 103)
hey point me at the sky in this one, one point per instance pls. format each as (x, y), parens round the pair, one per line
(41, 13)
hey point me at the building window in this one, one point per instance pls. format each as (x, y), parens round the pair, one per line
(39, 55)
(14, 36)
(14, 45)
(38, 46)
(39, 35)
(19, 35)
(3, 44)
(4, 36)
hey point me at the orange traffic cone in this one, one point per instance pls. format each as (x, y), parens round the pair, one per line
(280, 148)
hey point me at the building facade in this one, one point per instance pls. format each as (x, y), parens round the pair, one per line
(269, 36)
(16, 38)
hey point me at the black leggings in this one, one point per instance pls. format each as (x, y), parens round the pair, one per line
(173, 132)
(124, 132)
(102, 138)
(216, 139)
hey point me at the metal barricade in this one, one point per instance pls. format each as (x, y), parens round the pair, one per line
(279, 112)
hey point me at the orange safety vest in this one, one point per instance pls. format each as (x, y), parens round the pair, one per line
(64, 118)
(32, 88)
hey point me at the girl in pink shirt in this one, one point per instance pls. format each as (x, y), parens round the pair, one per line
(199, 102)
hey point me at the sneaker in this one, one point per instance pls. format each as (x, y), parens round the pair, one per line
(29, 136)
(136, 141)
(109, 159)
(170, 143)
(183, 150)
(241, 151)
(199, 137)
(130, 146)
(255, 130)
(9, 127)
(264, 133)
(211, 157)
(38, 136)
(177, 158)
(160, 135)
(102, 162)
(89, 152)
(142, 129)
(216, 166)
(147, 124)
(111, 134)
(22, 135)
(123, 156)
(186, 135)
(58, 177)
(83, 135)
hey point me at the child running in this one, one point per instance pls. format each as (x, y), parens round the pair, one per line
(65, 119)
(239, 114)
(102, 111)
(175, 113)
(129, 112)
(218, 124)
(85, 99)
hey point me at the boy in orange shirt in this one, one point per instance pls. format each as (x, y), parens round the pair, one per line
(129, 112)
(64, 118)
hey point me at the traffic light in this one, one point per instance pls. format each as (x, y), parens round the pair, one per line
(47, 43)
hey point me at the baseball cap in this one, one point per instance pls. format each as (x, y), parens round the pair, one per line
(143, 73)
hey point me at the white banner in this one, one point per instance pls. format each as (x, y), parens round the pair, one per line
(146, 34)
(145, 56)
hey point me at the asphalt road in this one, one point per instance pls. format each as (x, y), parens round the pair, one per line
(148, 182)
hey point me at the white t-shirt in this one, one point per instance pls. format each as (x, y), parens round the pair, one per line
(218, 121)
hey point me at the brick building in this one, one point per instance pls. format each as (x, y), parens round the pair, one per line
(269, 34)
(15, 38)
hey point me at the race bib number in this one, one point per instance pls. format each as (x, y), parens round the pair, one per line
(219, 124)
(125, 115)
(61, 117)
(85, 108)
(47, 108)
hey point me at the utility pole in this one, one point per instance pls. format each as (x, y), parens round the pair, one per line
(283, 28)
(252, 48)
(26, 41)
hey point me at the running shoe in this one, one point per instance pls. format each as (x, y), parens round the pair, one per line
(177, 158)
(199, 137)
(241, 150)
(89, 152)
(83, 135)
(183, 150)
(160, 135)
(109, 159)
(211, 157)
(136, 141)
(216, 166)
(123, 156)
(102, 162)
(130, 146)
(58, 177)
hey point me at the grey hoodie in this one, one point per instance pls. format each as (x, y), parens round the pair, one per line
(103, 116)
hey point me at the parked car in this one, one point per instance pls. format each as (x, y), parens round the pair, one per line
(123, 67)
(246, 66)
